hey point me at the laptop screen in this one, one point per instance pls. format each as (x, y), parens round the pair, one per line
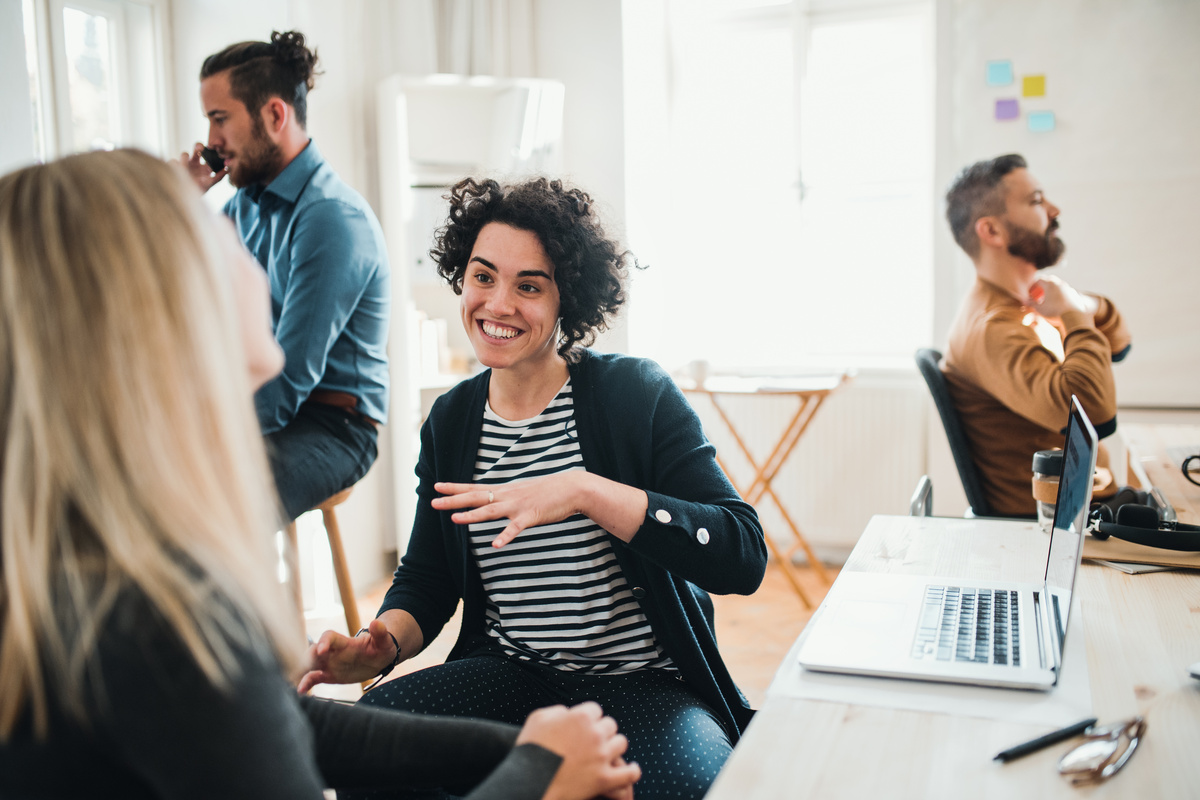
(1070, 515)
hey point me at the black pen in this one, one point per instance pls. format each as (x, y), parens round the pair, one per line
(1033, 745)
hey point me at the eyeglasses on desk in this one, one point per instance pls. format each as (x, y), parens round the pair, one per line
(1103, 752)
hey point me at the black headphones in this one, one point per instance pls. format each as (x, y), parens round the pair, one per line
(1140, 524)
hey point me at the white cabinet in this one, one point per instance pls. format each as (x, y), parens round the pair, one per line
(433, 131)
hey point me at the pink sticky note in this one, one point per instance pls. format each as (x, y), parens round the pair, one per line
(1007, 109)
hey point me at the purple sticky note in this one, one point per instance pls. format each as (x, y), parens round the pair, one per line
(1007, 109)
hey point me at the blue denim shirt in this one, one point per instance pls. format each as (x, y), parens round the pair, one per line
(327, 266)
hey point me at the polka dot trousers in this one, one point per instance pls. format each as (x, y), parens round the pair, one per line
(672, 734)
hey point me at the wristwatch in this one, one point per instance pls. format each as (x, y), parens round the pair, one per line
(383, 673)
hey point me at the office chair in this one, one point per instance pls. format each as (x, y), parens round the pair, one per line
(927, 362)
(921, 504)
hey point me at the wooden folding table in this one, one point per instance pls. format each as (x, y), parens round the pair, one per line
(810, 392)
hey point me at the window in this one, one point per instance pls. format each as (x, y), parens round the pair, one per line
(92, 102)
(35, 71)
(93, 74)
(792, 215)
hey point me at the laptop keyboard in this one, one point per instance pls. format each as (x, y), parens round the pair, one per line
(969, 625)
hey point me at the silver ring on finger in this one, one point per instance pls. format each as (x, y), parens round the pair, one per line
(491, 497)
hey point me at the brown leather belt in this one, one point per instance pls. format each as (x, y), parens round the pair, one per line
(342, 400)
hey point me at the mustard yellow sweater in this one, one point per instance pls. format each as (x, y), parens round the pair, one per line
(1013, 391)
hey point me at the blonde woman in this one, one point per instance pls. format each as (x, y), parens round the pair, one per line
(143, 644)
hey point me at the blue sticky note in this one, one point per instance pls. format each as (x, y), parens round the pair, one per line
(999, 73)
(1041, 121)
(1007, 109)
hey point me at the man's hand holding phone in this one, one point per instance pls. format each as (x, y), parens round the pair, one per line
(205, 165)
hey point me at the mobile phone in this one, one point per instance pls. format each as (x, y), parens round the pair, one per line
(213, 159)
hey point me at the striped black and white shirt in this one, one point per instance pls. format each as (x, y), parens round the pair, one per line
(555, 594)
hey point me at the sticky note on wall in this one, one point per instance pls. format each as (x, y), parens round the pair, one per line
(1007, 109)
(1033, 86)
(999, 73)
(1041, 121)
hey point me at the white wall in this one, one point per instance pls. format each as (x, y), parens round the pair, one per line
(1122, 165)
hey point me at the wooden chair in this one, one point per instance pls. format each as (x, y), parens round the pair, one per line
(340, 568)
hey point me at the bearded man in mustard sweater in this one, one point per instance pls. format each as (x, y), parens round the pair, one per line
(1023, 341)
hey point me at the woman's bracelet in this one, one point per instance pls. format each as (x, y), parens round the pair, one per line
(383, 673)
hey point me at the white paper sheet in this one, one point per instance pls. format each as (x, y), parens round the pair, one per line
(1069, 701)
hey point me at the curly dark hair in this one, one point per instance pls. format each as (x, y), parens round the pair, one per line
(589, 268)
(976, 193)
(283, 67)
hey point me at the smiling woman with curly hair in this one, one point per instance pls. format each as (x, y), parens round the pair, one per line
(589, 268)
(571, 500)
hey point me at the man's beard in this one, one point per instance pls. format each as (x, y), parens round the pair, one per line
(259, 161)
(1041, 250)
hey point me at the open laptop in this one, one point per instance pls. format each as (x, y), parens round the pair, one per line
(988, 633)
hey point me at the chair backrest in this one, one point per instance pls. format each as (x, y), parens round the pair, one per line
(927, 362)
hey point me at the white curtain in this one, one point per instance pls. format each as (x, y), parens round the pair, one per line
(422, 37)
(486, 37)
(458, 37)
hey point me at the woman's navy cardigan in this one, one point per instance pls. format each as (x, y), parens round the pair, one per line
(635, 427)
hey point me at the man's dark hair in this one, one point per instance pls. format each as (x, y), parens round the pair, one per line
(589, 268)
(258, 71)
(975, 193)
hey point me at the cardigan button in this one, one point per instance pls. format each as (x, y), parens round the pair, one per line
(663, 516)
(638, 592)
(702, 536)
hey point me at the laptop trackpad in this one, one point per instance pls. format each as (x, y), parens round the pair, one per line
(861, 630)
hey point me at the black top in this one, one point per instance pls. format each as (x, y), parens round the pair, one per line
(159, 729)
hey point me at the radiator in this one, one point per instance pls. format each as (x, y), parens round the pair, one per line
(862, 454)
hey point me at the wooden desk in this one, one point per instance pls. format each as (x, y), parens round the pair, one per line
(1141, 631)
(1153, 451)
(810, 392)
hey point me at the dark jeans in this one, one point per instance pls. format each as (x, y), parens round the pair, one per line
(673, 735)
(323, 450)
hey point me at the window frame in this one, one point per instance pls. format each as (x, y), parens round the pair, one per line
(140, 74)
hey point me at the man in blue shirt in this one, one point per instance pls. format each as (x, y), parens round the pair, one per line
(326, 262)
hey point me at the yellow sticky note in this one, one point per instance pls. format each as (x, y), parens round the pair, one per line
(1033, 86)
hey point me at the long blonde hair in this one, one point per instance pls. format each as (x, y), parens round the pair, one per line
(131, 457)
